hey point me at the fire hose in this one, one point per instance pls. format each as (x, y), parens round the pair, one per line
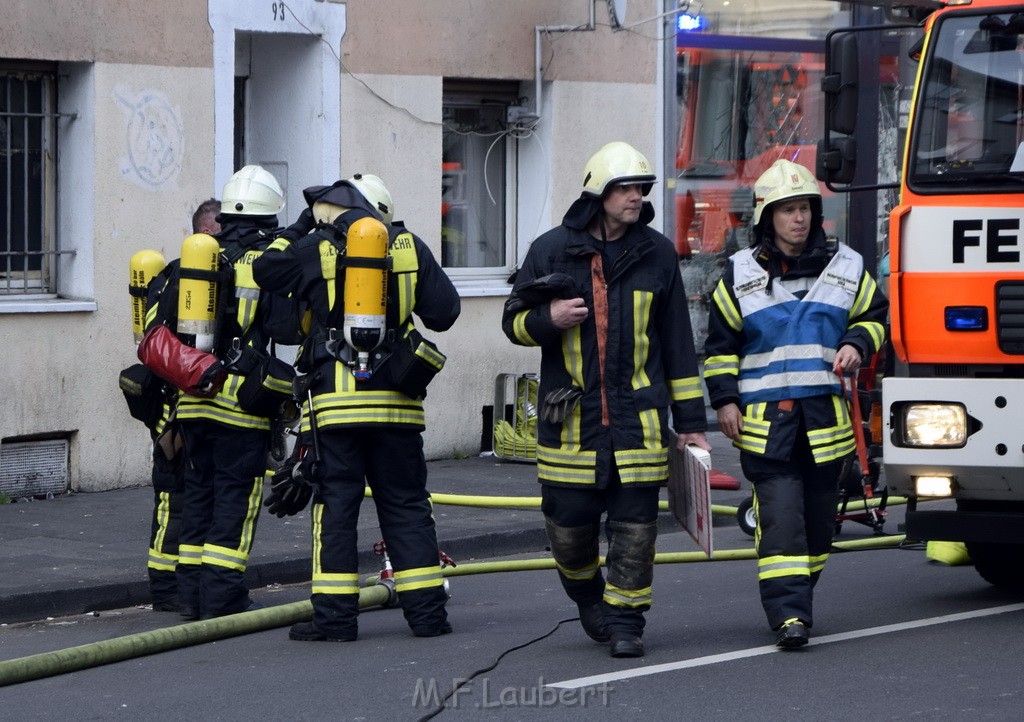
(49, 664)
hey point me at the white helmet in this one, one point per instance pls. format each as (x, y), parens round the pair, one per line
(617, 163)
(373, 190)
(784, 180)
(252, 191)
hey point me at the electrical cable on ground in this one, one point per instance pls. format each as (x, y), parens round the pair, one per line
(441, 707)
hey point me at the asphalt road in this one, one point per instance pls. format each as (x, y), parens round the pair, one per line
(895, 637)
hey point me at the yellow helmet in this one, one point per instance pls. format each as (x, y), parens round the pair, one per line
(252, 191)
(784, 180)
(617, 163)
(373, 190)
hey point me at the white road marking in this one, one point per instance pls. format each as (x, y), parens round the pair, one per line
(758, 651)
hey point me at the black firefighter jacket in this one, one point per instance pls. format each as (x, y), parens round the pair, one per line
(309, 267)
(649, 360)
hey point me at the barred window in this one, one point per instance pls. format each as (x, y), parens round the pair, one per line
(28, 155)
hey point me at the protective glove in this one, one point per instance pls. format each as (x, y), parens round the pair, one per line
(290, 487)
(560, 403)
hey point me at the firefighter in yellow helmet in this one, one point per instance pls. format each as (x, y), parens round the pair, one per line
(790, 314)
(602, 296)
(366, 417)
(227, 434)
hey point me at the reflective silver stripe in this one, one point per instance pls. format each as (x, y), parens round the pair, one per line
(801, 352)
(785, 380)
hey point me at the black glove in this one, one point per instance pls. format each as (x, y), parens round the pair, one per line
(290, 487)
(560, 403)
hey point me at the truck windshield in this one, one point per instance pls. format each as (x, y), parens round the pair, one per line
(969, 124)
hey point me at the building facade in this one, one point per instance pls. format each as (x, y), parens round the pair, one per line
(119, 117)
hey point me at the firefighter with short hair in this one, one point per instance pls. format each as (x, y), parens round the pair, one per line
(168, 477)
(226, 440)
(791, 313)
(602, 296)
(367, 366)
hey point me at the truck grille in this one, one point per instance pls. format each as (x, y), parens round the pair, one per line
(1010, 316)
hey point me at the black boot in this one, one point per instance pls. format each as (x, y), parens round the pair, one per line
(306, 632)
(592, 621)
(792, 634)
(626, 645)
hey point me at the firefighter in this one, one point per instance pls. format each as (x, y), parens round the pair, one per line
(366, 415)
(226, 439)
(791, 313)
(169, 475)
(602, 296)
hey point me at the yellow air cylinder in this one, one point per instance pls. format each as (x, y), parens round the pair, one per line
(366, 289)
(197, 297)
(141, 269)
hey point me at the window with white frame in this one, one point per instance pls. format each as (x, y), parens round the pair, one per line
(28, 180)
(478, 179)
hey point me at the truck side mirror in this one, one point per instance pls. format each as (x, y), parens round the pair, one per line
(840, 82)
(836, 160)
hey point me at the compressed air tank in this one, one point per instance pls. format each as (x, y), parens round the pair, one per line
(197, 291)
(366, 288)
(142, 267)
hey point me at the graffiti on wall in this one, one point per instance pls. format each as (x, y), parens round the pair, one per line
(154, 138)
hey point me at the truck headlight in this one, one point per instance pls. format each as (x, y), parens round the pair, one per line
(934, 425)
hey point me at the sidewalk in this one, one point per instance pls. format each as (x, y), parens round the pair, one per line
(83, 552)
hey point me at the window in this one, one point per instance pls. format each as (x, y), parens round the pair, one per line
(28, 157)
(477, 180)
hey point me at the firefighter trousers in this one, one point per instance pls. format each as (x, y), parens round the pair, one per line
(795, 503)
(391, 461)
(165, 528)
(223, 493)
(573, 519)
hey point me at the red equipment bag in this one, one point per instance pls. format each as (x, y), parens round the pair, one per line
(195, 372)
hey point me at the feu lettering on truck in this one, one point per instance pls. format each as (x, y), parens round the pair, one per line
(936, 239)
(998, 238)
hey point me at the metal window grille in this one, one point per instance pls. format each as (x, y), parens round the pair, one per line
(28, 154)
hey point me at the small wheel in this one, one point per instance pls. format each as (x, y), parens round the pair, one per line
(746, 517)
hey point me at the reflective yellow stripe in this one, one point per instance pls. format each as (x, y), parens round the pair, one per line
(818, 563)
(643, 474)
(404, 267)
(318, 515)
(161, 562)
(730, 313)
(875, 330)
(565, 475)
(329, 270)
(583, 573)
(422, 578)
(163, 517)
(219, 556)
(719, 365)
(519, 329)
(834, 442)
(223, 408)
(431, 355)
(651, 427)
(335, 583)
(572, 358)
(279, 244)
(190, 554)
(783, 566)
(632, 598)
(641, 343)
(864, 295)
(685, 388)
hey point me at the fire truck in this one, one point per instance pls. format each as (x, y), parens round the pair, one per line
(953, 406)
